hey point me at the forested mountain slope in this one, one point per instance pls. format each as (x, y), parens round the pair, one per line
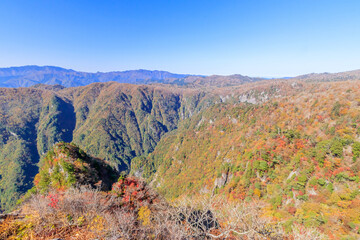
(77, 196)
(109, 120)
(300, 153)
(113, 121)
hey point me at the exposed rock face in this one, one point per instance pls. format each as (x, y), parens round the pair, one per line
(221, 181)
(138, 173)
(248, 99)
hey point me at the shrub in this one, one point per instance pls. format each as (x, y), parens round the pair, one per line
(335, 112)
(356, 149)
(276, 201)
(337, 148)
(313, 181)
(330, 187)
(261, 165)
(321, 182)
(302, 179)
(291, 134)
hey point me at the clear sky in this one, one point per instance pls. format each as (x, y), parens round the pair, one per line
(267, 38)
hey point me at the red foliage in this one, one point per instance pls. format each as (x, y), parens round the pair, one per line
(280, 144)
(133, 192)
(292, 210)
(328, 174)
(338, 170)
(54, 200)
(299, 144)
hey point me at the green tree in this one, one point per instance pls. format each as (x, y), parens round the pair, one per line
(356, 149)
(337, 148)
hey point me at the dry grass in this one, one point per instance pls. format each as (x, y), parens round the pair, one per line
(85, 213)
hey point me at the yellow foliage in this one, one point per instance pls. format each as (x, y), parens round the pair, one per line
(299, 212)
(345, 194)
(268, 211)
(257, 192)
(144, 215)
(80, 220)
(231, 198)
(97, 224)
(343, 204)
(344, 111)
(270, 189)
(334, 198)
(337, 161)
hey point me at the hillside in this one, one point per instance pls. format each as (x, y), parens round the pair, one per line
(65, 165)
(109, 120)
(299, 153)
(330, 77)
(77, 196)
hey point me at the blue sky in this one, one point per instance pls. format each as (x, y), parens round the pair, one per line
(267, 38)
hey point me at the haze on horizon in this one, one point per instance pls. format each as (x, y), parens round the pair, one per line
(255, 38)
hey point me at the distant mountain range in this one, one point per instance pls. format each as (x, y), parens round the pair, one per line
(27, 76)
(331, 77)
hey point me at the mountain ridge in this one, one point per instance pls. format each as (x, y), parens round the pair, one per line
(26, 76)
(32, 75)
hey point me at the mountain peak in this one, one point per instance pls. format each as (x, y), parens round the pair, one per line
(66, 165)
